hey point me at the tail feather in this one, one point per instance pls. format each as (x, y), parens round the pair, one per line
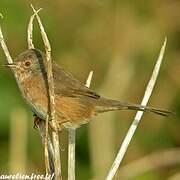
(105, 105)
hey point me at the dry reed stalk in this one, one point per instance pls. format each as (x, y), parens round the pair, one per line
(4, 46)
(138, 116)
(30, 31)
(71, 153)
(52, 114)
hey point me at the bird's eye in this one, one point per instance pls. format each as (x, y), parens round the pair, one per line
(27, 63)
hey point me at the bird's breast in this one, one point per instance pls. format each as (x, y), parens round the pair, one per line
(35, 94)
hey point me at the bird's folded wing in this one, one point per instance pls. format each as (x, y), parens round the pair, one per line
(67, 85)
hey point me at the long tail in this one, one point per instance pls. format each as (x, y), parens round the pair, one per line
(105, 105)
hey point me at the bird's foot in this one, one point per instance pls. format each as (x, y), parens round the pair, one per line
(37, 121)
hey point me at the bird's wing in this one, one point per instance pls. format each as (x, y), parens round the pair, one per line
(67, 85)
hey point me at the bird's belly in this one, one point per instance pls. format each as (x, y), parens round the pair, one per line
(73, 112)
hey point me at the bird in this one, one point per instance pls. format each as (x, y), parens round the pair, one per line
(75, 104)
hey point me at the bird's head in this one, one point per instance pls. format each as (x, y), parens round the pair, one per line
(28, 63)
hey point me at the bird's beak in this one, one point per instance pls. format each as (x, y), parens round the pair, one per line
(11, 65)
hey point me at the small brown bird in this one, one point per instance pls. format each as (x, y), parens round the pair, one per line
(75, 104)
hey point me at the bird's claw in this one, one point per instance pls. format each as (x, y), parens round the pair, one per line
(37, 121)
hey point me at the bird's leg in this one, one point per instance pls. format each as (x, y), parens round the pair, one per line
(37, 121)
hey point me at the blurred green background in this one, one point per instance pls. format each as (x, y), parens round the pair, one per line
(119, 41)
